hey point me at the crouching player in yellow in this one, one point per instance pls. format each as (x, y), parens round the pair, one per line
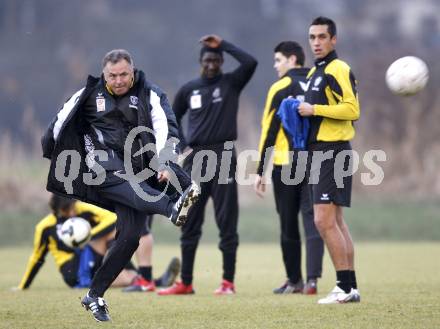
(77, 266)
(46, 239)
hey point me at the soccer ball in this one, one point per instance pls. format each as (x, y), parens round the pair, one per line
(407, 76)
(75, 232)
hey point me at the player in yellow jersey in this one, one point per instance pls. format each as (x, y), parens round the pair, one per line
(290, 199)
(332, 105)
(68, 260)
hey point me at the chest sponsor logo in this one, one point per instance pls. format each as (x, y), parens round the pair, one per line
(304, 86)
(134, 101)
(316, 83)
(100, 103)
(195, 101)
(216, 95)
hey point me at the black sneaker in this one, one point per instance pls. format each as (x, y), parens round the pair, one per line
(290, 288)
(97, 306)
(170, 274)
(187, 199)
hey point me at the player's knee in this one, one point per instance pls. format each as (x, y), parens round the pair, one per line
(323, 222)
(127, 241)
(229, 243)
(189, 242)
(141, 205)
(191, 237)
(294, 239)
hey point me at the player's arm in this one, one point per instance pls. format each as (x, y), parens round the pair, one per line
(270, 123)
(248, 63)
(342, 88)
(180, 107)
(36, 260)
(105, 219)
(54, 128)
(165, 128)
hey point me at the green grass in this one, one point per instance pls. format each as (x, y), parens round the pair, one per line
(399, 282)
(368, 220)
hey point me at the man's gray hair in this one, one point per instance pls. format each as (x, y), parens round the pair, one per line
(116, 55)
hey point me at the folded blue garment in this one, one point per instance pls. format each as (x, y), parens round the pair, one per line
(296, 126)
(86, 263)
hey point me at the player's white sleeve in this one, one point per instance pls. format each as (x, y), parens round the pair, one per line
(64, 112)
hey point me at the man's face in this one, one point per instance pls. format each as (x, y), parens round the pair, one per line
(282, 64)
(211, 64)
(119, 76)
(320, 41)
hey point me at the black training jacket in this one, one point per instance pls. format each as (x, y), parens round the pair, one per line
(213, 103)
(69, 131)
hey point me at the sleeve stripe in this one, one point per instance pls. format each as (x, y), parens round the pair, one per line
(64, 113)
(160, 122)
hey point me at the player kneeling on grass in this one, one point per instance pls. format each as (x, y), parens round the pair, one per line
(76, 265)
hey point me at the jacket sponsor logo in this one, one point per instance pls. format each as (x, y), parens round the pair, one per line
(195, 101)
(316, 83)
(216, 94)
(304, 86)
(134, 100)
(100, 103)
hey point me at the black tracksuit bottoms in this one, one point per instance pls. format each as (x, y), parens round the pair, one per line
(289, 200)
(222, 187)
(131, 210)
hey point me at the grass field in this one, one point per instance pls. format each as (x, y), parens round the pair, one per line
(399, 282)
(378, 220)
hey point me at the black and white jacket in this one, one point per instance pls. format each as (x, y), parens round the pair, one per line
(68, 133)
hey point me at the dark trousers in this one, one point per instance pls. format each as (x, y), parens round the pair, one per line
(289, 200)
(131, 211)
(223, 190)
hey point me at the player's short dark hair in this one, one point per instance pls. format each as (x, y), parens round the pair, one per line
(331, 25)
(116, 55)
(59, 203)
(206, 49)
(289, 48)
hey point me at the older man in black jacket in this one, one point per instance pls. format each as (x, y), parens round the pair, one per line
(106, 145)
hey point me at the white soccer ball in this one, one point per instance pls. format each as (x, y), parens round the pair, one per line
(75, 232)
(407, 76)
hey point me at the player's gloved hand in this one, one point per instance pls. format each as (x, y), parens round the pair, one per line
(260, 186)
(15, 289)
(211, 40)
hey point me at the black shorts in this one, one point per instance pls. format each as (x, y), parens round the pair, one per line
(331, 181)
(146, 229)
(69, 271)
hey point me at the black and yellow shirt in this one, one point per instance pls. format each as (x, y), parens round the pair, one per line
(46, 238)
(272, 133)
(332, 91)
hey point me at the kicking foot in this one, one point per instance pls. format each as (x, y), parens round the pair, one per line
(184, 203)
(97, 306)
